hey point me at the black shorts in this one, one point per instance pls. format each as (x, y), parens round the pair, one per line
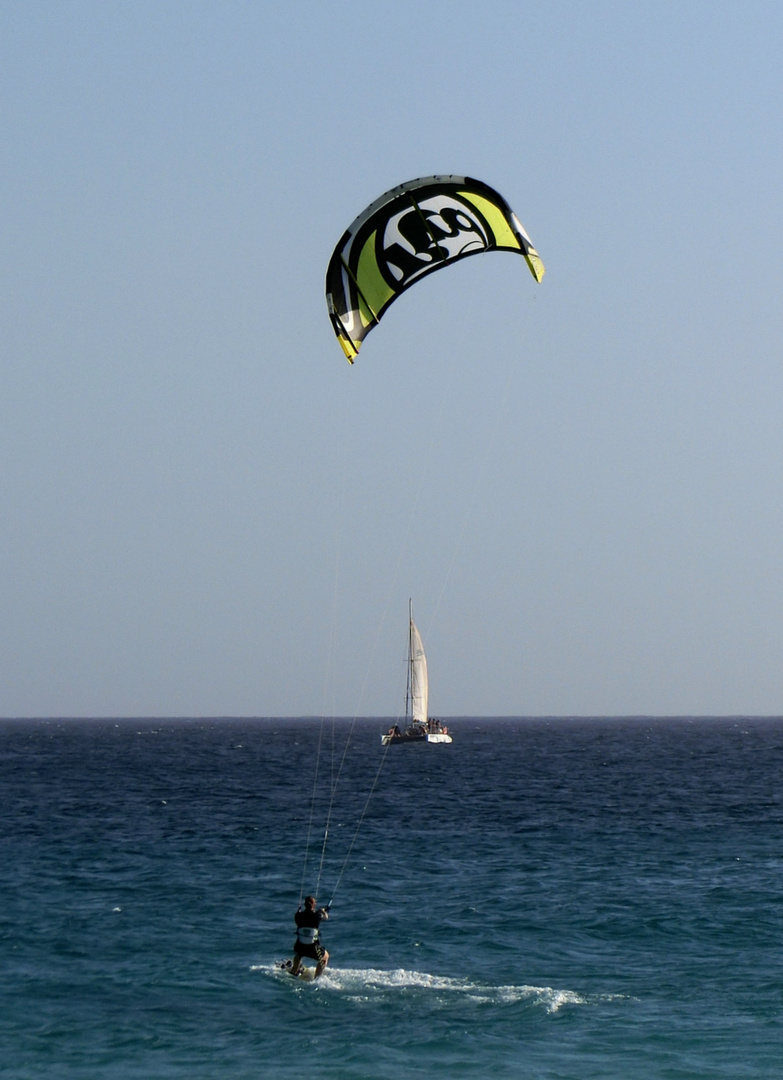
(316, 951)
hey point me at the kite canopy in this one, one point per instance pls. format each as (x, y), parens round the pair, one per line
(410, 231)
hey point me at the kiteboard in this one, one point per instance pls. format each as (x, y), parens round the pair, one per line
(306, 974)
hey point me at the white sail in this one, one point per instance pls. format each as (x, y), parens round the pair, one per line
(420, 687)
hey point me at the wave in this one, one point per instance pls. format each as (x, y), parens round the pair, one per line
(372, 982)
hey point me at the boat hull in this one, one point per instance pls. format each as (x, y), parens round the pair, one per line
(403, 737)
(416, 734)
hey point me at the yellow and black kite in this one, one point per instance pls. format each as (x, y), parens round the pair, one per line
(410, 231)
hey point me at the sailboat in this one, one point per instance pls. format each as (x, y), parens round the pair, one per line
(418, 725)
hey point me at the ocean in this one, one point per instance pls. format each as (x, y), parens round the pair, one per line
(544, 898)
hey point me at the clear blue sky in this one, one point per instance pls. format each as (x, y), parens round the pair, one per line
(207, 511)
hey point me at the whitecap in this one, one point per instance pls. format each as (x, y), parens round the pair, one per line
(372, 982)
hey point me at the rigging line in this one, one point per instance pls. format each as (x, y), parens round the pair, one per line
(489, 447)
(331, 661)
(367, 801)
(389, 593)
(332, 793)
(331, 805)
(359, 824)
(435, 429)
(404, 544)
(377, 637)
(346, 457)
(355, 718)
(312, 812)
(334, 777)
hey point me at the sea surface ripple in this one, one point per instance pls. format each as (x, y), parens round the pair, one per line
(545, 898)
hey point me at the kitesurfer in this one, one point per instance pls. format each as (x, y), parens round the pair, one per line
(308, 936)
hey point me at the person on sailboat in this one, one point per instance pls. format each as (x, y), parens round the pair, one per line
(308, 936)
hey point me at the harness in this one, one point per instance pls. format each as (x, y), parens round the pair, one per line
(307, 935)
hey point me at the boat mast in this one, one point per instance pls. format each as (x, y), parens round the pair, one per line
(409, 681)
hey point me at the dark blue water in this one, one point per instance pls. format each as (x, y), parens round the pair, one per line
(541, 899)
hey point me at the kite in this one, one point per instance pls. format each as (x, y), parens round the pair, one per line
(412, 230)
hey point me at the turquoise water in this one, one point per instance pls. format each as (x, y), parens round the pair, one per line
(545, 898)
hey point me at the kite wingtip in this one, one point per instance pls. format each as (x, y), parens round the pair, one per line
(536, 266)
(348, 347)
